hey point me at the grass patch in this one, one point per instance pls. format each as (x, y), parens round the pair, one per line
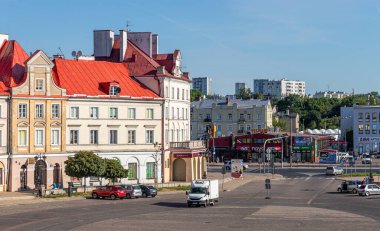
(73, 194)
(363, 174)
(178, 188)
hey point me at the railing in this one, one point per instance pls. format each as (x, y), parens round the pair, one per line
(187, 144)
(207, 120)
(240, 131)
(241, 120)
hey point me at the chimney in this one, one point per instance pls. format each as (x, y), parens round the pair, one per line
(123, 44)
(103, 43)
(227, 99)
(3, 37)
(154, 44)
(185, 75)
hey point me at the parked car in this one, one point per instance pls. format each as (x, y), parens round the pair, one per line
(368, 189)
(366, 159)
(132, 191)
(112, 192)
(334, 170)
(349, 186)
(148, 190)
(227, 164)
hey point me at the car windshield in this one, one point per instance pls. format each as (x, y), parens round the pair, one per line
(362, 187)
(151, 187)
(365, 156)
(198, 190)
(136, 187)
(329, 168)
(120, 188)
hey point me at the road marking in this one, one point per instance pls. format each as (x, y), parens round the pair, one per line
(315, 195)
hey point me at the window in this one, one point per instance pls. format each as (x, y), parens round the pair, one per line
(55, 111)
(259, 126)
(367, 116)
(172, 112)
(149, 113)
(367, 131)
(229, 116)
(113, 113)
(177, 116)
(39, 137)
(258, 116)
(39, 84)
(187, 94)
(131, 113)
(114, 90)
(360, 117)
(249, 116)
(94, 112)
(132, 171)
(166, 92)
(374, 116)
(74, 112)
(172, 92)
(1, 176)
(219, 117)
(229, 129)
(131, 136)
(183, 113)
(186, 114)
(39, 110)
(200, 116)
(167, 113)
(150, 170)
(55, 137)
(360, 128)
(22, 107)
(177, 93)
(74, 137)
(93, 136)
(374, 129)
(149, 137)
(22, 138)
(241, 116)
(241, 128)
(208, 116)
(183, 94)
(219, 128)
(113, 136)
(248, 128)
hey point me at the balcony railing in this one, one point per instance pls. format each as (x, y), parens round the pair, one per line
(207, 120)
(187, 144)
(241, 131)
(241, 120)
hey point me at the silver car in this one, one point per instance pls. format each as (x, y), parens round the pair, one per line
(133, 191)
(368, 189)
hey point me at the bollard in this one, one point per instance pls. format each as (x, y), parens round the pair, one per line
(69, 189)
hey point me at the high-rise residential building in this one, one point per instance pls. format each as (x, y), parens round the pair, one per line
(331, 94)
(279, 88)
(203, 84)
(239, 86)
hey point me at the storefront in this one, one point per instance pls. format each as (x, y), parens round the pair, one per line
(302, 148)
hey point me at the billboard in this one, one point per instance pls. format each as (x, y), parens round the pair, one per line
(302, 141)
(236, 168)
(327, 156)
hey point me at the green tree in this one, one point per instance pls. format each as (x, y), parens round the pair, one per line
(195, 94)
(84, 164)
(258, 96)
(244, 93)
(281, 124)
(114, 170)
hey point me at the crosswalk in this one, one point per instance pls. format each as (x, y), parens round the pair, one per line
(306, 178)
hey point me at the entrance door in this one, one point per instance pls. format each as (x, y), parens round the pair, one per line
(2, 177)
(179, 170)
(23, 178)
(57, 175)
(40, 173)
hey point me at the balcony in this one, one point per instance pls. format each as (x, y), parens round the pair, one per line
(241, 131)
(207, 120)
(241, 120)
(187, 144)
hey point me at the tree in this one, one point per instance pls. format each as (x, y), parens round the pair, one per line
(278, 123)
(84, 164)
(195, 94)
(114, 170)
(244, 93)
(258, 96)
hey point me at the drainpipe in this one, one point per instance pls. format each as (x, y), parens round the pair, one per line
(162, 130)
(8, 142)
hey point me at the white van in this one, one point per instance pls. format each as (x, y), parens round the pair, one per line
(203, 192)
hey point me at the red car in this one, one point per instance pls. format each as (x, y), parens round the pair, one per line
(112, 192)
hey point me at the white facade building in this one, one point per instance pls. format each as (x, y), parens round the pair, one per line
(331, 94)
(279, 88)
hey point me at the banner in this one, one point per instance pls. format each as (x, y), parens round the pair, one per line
(236, 168)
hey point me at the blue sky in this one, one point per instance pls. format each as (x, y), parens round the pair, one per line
(327, 43)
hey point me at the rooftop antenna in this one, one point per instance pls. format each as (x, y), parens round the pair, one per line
(76, 54)
(128, 25)
(59, 48)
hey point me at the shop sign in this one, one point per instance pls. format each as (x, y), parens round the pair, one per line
(302, 148)
(253, 131)
(183, 155)
(369, 139)
(258, 149)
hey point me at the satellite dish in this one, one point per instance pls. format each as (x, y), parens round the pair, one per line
(79, 53)
(118, 90)
(74, 53)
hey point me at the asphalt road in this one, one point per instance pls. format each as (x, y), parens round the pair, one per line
(305, 199)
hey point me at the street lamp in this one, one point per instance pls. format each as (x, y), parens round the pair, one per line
(156, 156)
(291, 139)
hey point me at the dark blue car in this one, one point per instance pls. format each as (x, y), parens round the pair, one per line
(148, 190)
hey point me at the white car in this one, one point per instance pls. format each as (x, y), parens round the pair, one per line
(334, 170)
(368, 189)
(366, 159)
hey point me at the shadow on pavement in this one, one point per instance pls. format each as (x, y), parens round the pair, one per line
(171, 204)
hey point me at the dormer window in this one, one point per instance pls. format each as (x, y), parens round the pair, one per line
(39, 84)
(114, 90)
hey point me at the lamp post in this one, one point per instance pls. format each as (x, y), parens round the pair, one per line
(291, 139)
(156, 156)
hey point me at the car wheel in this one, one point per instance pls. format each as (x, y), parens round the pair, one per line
(354, 191)
(144, 195)
(189, 205)
(113, 197)
(340, 190)
(367, 194)
(153, 195)
(128, 196)
(94, 196)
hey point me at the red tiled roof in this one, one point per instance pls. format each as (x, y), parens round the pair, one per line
(86, 77)
(12, 67)
(165, 60)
